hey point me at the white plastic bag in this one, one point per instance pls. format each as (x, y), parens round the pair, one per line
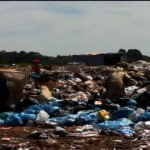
(41, 117)
(147, 125)
(135, 114)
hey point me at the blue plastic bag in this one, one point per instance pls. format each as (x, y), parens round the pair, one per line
(90, 118)
(55, 103)
(113, 125)
(122, 113)
(93, 118)
(1, 122)
(35, 107)
(14, 120)
(133, 102)
(25, 116)
(31, 111)
(67, 120)
(126, 131)
(144, 117)
(51, 110)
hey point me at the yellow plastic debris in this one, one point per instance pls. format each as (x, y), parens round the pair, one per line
(103, 115)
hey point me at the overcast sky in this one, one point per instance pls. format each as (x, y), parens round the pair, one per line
(66, 28)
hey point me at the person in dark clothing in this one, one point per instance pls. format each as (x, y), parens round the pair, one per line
(115, 85)
(4, 92)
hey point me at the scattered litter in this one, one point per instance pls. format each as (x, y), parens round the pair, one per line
(92, 101)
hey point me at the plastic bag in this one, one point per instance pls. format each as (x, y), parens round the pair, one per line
(14, 120)
(30, 111)
(35, 107)
(147, 125)
(93, 118)
(126, 132)
(25, 116)
(135, 114)
(50, 124)
(122, 113)
(25, 103)
(144, 117)
(84, 118)
(42, 117)
(67, 120)
(60, 131)
(51, 110)
(133, 102)
(87, 112)
(142, 90)
(139, 125)
(113, 125)
(4, 115)
(84, 128)
(130, 90)
(1, 122)
(55, 103)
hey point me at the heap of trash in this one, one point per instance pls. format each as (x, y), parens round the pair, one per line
(95, 100)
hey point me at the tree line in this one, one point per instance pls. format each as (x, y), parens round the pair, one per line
(22, 57)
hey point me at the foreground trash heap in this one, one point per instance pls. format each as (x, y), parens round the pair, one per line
(79, 99)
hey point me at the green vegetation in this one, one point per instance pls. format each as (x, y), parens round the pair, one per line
(24, 58)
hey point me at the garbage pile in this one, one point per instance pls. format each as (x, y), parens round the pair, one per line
(95, 100)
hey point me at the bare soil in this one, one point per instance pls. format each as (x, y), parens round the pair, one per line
(15, 138)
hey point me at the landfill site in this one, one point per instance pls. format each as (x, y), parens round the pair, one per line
(77, 107)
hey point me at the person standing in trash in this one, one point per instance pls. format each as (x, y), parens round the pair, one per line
(36, 64)
(115, 84)
(38, 74)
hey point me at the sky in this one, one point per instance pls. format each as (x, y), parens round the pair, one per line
(74, 27)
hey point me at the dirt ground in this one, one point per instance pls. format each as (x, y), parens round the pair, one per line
(16, 138)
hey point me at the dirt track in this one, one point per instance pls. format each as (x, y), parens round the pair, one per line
(18, 138)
